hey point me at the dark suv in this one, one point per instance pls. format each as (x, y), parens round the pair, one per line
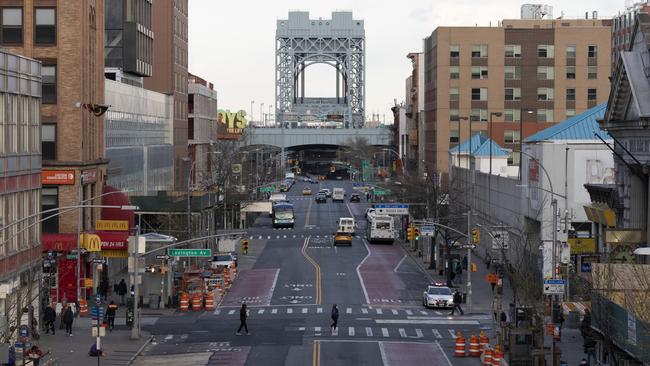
(355, 197)
(321, 198)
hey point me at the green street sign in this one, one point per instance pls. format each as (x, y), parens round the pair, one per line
(267, 189)
(190, 252)
(71, 256)
(380, 192)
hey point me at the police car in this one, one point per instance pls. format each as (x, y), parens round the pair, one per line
(438, 295)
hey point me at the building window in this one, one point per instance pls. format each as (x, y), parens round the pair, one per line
(12, 25)
(512, 115)
(592, 72)
(545, 94)
(479, 93)
(592, 51)
(48, 141)
(453, 94)
(511, 137)
(512, 72)
(454, 137)
(544, 115)
(571, 51)
(479, 50)
(592, 94)
(512, 94)
(513, 158)
(479, 72)
(50, 200)
(454, 115)
(454, 72)
(478, 115)
(45, 26)
(454, 51)
(570, 113)
(571, 72)
(49, 84)
(571, 94)
(545, 51)
(512, 51)
(545, 73)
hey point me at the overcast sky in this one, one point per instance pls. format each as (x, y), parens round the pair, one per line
(231, 43)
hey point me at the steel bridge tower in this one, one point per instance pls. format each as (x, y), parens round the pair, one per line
(302, 42)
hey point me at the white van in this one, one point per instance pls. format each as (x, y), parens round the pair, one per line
(346, 225)
(338, 195)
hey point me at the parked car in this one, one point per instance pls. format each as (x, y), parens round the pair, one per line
(439, 296)
(355, 197)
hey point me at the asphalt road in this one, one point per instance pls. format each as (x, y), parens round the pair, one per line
(291, 279)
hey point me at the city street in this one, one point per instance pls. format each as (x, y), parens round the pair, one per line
(291, 279)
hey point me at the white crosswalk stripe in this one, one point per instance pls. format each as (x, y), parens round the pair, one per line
(217, 312)
(418, 333)
(260, 236)
(261, 311)
(268, 237)
(274, 311)
(364, 310)
(436, 333)
(395, 312)
(368, 331)
(402, 332)
(423, 312)
(231, 312)
(294, 236)
(409, 312)
(335, 331)
(379, 311)
(289, 311)
(319, 310)
(348, 311)
(284, 237)
(384, 332)
(351, 331)
(304, 310)
(317, 329)
(452, 333)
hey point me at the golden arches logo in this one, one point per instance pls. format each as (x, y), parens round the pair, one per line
(91, 242)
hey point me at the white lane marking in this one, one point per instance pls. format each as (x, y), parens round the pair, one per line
(364, 310)
(399, 263)
(452, 333)
(348, 311)
(261, 311)
(440, 351)
(368, 331)
(316, 329)
(169, 336)
(409, 312)
(436, 333)
(402, 332)
(431, 321)
(351, 331)
(301, 328)
(382, 351)
(274, 311)
(231, 312)
(268, 237)
(289, 311)
(395, 312)
(319, 310)
(304, 310)
(418, 333)
(363, 286)
(275, 281)
(384, 332)
(423, 312)
(260, 236)
(380, 311)
(217, 311)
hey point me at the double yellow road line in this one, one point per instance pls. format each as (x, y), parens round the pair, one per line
(319, 292)
(316, 354)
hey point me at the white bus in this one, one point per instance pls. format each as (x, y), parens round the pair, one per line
(380, 229)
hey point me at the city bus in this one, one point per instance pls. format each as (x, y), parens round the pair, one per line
(282, 215)
(380, 229)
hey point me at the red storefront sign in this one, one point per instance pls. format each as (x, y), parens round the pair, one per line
(68, 242)
(57, 177)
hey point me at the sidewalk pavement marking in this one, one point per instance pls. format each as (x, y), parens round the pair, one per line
(274, 311)
(379, 311)
(289, 311)
(261, 311)
(384, 332)
(452, 332)
(304, 310)
(351, 331)
(402, 332)
(364, 310)
(231, 312)
(319, 310)
(348, 311)
(368, 331)
(436, 333)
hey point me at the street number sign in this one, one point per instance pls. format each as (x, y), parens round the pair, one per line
(190, 252)
(554, 287)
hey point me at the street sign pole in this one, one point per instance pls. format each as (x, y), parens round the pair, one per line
(469, 261)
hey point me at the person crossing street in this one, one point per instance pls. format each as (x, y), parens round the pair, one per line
(457, 300)
(243, 315)
(335, 318)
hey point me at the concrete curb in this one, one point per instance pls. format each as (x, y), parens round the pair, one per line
(407, 252)
(137, 353)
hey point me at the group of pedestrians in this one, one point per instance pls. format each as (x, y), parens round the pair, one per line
(243, 317)
(67, 318)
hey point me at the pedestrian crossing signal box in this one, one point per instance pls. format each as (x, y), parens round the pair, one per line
(244, 247)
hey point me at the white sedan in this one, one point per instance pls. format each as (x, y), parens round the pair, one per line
(438, 296)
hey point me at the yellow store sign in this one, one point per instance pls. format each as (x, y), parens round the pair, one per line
(91, 242)
(582, 245)
(112, 225)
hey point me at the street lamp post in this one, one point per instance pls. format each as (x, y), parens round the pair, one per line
(252, 103)
(492, 114)
(262, 112)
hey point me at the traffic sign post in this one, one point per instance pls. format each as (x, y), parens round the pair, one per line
(190, 252)
(554, 287)
(392, 209)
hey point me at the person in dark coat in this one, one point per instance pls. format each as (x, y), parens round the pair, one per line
(94, 352)
(110, 315)
(68, 318)
(49, 317)
(121, 290)
(457, 300)
(243, 315)
(335, 318)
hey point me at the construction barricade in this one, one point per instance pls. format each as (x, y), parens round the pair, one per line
(497, 355)
(83, 307)
(209, 301)
(487, 357)
(197, 302)
(460, 345)
(184, 301)
(483, 341)
(474, 346)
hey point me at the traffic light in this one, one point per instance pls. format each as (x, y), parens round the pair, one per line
(417, 233)
(476, 236)
(410, 232)
(244, 247)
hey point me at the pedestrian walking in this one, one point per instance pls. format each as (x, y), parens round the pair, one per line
(49, 317)
(243, 315)
(68, 318)
(121, 290)
(561, 321)
(457, 300)
(585, 326)
(335, 318)
(110, 315)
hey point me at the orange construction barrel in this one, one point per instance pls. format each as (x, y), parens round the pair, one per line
(483, 341)
(209, 301)
(474, 346)
(83, 307)
(196, 302)
(460, 345)
(184, 301)
(487, 357)
(497, 355)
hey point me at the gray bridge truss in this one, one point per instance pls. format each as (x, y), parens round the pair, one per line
(302, 42)
(286, 138)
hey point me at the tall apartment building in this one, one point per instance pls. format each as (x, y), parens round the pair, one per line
(414, 97)
(202, 128)
(523, 74)
(622, 28)
(170, 75)
(20, 189)
(68, 38)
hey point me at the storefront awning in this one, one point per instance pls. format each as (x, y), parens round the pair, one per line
(58, 242)
(601, 215)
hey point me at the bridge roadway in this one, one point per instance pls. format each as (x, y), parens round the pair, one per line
(291, 279)
(292, 137)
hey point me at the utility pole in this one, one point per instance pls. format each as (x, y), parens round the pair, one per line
(469, 261)
(135, 248)
(554, 276)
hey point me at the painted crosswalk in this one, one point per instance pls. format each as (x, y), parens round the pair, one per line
(375, 332)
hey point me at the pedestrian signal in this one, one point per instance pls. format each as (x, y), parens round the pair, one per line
(476, 236)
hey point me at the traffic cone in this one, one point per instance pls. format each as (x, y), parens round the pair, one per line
(460, 345)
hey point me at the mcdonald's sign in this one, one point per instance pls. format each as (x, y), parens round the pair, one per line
(91, 242)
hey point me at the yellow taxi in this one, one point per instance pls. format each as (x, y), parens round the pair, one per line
(306, 191)
(342, 238)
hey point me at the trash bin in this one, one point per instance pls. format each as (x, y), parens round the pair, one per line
(153, 301)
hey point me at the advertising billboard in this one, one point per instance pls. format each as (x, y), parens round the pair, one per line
(231, 125)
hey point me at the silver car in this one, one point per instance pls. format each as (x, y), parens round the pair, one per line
(438, 296)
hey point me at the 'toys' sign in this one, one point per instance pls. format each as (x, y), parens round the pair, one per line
(235, 121)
